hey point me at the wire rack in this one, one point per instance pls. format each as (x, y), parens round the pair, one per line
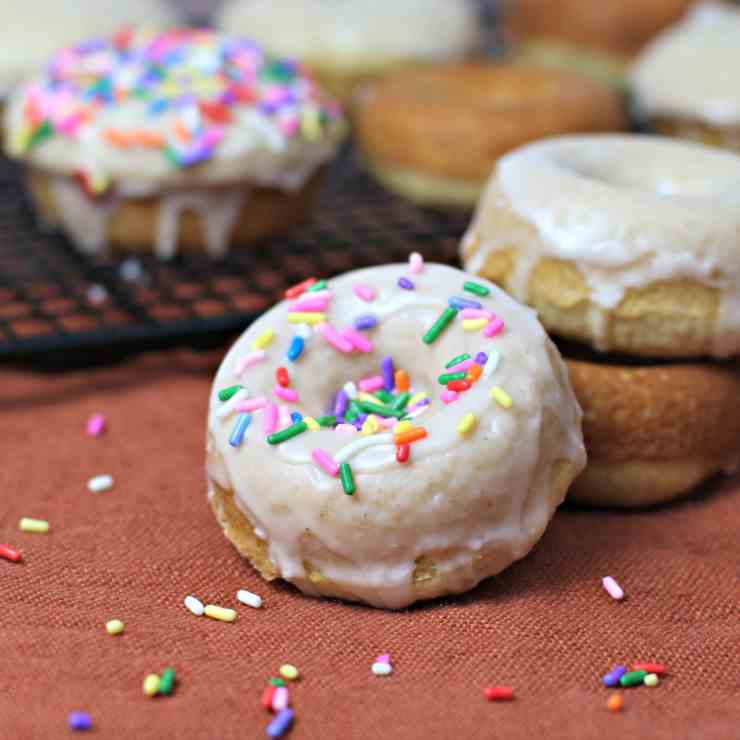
(55, 302)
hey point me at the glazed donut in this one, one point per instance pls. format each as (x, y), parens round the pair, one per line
(347, 43)
(685, 82)
(444, 480)
(433, 134)
(628, 243)
(654, 433)
(218, 143)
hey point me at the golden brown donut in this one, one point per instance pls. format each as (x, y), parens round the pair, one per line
(434, 133)
(654, 432)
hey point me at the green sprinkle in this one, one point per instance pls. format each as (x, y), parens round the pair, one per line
(476, 288)
(226, 393)
(445, 378)
(384, 396)
(440, 325)
(326, 421)
(633, 679)
(277, 682)
(376, 408)
(167, 681)
(401, 402)
(348, 480)
(288, 433)
(459, 358)
(320, 285)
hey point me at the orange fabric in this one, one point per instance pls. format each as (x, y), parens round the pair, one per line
(544, 627)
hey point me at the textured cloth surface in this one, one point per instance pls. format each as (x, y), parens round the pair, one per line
(544, 626)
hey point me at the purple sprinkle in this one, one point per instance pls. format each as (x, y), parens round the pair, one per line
(481, 358)
(79, 721)
(405, 283)
(612, 678)
(386, 366)
(366, 321)
(340, 405)
(461, 303)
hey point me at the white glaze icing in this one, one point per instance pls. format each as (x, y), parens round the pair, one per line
(629, 211)
(357, 35)
(456, 497)
(691, 69)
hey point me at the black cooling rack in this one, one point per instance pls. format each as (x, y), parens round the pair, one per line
(49, 308)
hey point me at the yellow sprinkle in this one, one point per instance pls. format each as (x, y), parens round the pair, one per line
(33, 525)
(467, 424)
(222, 613)
(402, 426)
(371, 426)
(114, 627)
(264, 339)
(474, 324)
(312, 424)
(362, 396)
(288, 672)
(302, 317)
(151, 684)
(420, 396)
(651, 679)
(501, 397)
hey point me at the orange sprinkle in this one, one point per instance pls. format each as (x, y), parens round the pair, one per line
(182, 133)
(412, 435)
(615, 703)
(474, 372)
(117, 138)
(402, 381)
(148, 139)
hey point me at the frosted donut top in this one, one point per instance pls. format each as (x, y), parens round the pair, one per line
(174, 107)
(450, 430)
(691, 70)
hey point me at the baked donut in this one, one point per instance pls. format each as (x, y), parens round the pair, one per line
(346, 43)
(654, 432)
(433, 134)
(628, 243)
(181, 139)
(685, 83)
(451, 424)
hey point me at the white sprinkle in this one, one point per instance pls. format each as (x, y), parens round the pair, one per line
(248, 598)
(358, 445)
(100, 483)
(225, 410)
(351, 390)
(491, 364)
(194, 605)
(612, 588)
(96, 294)
(382, 669)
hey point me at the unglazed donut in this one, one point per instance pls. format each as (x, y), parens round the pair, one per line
(484, 469)
(347, 43)
(433, 134)
(628, 243)
(181, 139)
(685, 82)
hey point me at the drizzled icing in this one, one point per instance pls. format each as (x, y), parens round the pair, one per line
(458, 496)
(628, 211)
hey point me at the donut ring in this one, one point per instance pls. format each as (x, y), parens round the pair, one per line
(459, 491)
(628, 243)
(654, 433)
(433, 134)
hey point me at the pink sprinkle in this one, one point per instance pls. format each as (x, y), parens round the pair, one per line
(270, 418)
(448, 396)
(359, 342)
(284, 419)
(372, 384)
(612, 588)
(326, 462)
(364, 292)
(416, 263)
(461, 367)
(248, 360)
(286, 394)
(347, 428)
(310, 304)
(384, 658)
(96, 425)
(494, 327)
(251, 404)
(477, 313)
(334, 338)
